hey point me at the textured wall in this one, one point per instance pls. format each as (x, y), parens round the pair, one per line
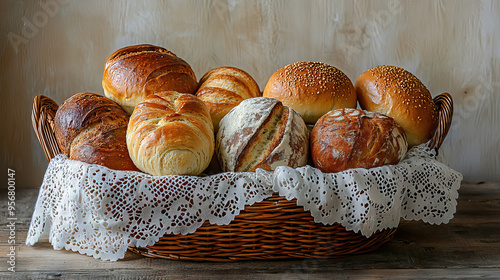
(58, 48)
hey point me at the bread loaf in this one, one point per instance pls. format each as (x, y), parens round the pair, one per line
(222, 88)
(311, 88)
(397, 93)
(261, 133)
(134, 72)
(350, 138)
(91, 128)
(171, 133)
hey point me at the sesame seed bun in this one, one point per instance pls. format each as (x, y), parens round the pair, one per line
(397, 93)
(312, 89)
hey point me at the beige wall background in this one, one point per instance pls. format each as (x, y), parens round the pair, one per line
(58, 48)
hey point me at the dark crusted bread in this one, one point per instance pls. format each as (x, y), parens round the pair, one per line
(134, 72)
(91, 128)
(350, 138)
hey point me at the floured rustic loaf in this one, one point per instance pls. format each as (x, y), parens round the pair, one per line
(350, 138)
(261, 133)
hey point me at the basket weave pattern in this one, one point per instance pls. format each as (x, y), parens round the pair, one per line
(272, 229)
(275, 228)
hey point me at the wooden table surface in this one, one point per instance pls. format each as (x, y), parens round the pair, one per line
(467, 247)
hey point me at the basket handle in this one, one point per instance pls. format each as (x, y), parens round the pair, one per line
(42, 118)
(444, 103)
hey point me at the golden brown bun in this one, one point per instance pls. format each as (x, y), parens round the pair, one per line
(221, 89)
(134, 72)
(171, 133)
(351, 138)
(311, 88)
(261, 133)
(400, 95)
(91, 128)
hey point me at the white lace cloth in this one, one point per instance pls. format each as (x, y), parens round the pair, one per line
(100, 212)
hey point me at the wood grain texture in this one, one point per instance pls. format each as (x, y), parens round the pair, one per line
(60, 49)
(467, 247)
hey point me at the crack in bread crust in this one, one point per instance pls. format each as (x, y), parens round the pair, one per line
(261, 133)
(263, 141)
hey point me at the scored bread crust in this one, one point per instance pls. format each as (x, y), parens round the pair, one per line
(222, 88)
(311, 89)
(171, 133)
(261, 133)
(399, 94)
(91, 128)
(351, 138)
(134, 72)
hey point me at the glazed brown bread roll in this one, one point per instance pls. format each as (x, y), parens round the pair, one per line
(397, 93)
(134, 72)
(91, 128)
(312, 89)
(222, 88)
(261, 133)
(351, 138)
(171, 133)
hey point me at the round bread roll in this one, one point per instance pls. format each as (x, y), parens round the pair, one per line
(91, 128)
(397, 93)
(351, 138)
(222, 88)
(134, 72)
(312, 89)
(171, 133)
(261, 133)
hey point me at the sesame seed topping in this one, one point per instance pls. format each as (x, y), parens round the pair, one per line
(404, 83)
(318, 76)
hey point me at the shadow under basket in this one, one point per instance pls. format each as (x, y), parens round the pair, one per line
(275, 228)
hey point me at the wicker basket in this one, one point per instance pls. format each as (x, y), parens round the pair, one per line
(275, 228)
